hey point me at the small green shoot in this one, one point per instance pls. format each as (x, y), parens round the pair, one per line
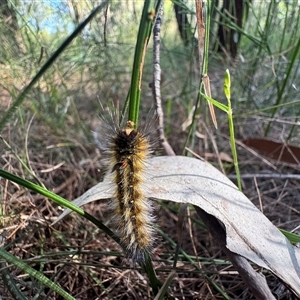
(227, 91)
(228, 110)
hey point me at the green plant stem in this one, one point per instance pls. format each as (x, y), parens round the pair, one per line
(233, 148)
(207, 10)
(48, 64)
(227, 91)
(146, 24)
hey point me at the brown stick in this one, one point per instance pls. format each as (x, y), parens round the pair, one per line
(156, 84)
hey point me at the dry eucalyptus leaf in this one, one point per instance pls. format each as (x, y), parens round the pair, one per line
(248, 232)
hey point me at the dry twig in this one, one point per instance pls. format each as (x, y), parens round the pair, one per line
(156, 83)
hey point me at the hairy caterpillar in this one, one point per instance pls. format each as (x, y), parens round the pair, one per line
(127, 150)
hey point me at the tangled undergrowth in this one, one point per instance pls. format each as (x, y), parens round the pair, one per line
(90, 265)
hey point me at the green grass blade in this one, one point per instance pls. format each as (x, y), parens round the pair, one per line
(207, 34)
(146, 24)
(216, 103)
(42, 191)
(149, 270)
(34, 273)
(292, 237)
(48, 64)
(9, 283)
(164, 288)
(265, 109)
(59, 200)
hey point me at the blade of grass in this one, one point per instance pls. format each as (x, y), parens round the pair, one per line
(146, 24)
(59, 200)
(48, 64)
(42, 191)
(292, 237)
(10, 284)
(164, 288)
(253, 112)
(231, 25)
(34, 273)
(149, 270)
(216, 103)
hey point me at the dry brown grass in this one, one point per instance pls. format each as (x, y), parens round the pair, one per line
(86, 262)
